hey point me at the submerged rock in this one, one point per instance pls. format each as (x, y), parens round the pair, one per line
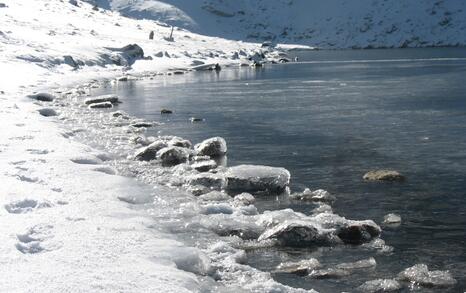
(329, 273)
(44, 97)
(383, 175)
(212, 147)
(47, 112)
(360, 264)
(301, 268)
(256, 178)
(101, 99)
(298, 234)
(100, 105)
(391, 219)
(380, 285)
(173, 155)
(316, 195)
(166, 111)
(420, 275)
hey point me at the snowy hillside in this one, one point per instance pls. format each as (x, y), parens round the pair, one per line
(325, 24)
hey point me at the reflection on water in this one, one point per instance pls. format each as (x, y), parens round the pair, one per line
(329, 123)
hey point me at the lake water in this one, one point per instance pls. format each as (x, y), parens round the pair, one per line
(329, 119)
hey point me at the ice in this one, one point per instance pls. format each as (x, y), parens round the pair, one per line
(380, 285)
(220, 208)
(256, 178)
(360, 264)
(302, 267)
(420, 275)
(318, 195)
(392, 219)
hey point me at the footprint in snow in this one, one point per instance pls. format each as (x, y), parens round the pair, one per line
(36, 239)
(26, 205)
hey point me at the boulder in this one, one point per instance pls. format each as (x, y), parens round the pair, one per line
(102, 105)
(298, 234)
(126, 55)
(212, 147)
(383, 175)
(256, 178)
(173, 155)
(300, 268)
(113, 99)
(44, 97)
(358, 232)
(150, 152)
(421, 275)
(47, 112)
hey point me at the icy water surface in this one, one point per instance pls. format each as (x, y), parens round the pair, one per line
(328, 120)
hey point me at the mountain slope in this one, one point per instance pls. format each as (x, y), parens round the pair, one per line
(325, 24)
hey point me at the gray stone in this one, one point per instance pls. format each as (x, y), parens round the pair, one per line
(173, 155)
(150, 152)
(212, 147)
(47, 112)
(358, 232)
(256, 178)
(383, 175)
(44, 97)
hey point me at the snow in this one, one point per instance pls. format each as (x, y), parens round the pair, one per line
(324, 24)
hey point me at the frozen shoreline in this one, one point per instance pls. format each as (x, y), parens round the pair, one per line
(70, 223)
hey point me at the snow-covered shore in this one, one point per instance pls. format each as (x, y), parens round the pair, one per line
(69, 223)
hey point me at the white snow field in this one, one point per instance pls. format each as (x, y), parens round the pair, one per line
(69, 220)
(325, 24)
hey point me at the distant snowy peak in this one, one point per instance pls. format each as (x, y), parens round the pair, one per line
(326, 24)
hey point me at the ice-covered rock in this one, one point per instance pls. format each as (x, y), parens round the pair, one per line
(126, 55)
(420, 275)
(47, 112)
(383, 175)
(177, 141)
(298, 234)
(44, 97)
(217, 208)
(380, 285)
(244, 199)
(120, 114)
(225, 225)
(102, 105)
(391, 219)
(213, 181)
(150, 152)
(140, 124)
(255, 178)
(301, 268)
(360, 264)
(204, 166)
(212, 147)
(101, 99)
(316, 195)
(173, 155)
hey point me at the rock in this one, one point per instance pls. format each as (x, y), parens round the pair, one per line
(150, 152)
(178, 141)
(126, 55)
(141, 124)
(244, 199)
(329, 273)
(301, 268)
(383, 175)
(195, 119)
(69, 60)
(256, 178)
(392, 219)
(209, 180)
(360, 264)
(121, 114)
(3, 5)
(204, 166)
(166, 111)
(173, 155)
(316, 195)
(298, 234)
(44, 97)
(380, 285)
(47, 112)
(358, 232)
(102, 99)
(420, 275)
(100, 105)
(212, 147)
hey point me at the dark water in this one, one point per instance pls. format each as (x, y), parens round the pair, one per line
(329, 120)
